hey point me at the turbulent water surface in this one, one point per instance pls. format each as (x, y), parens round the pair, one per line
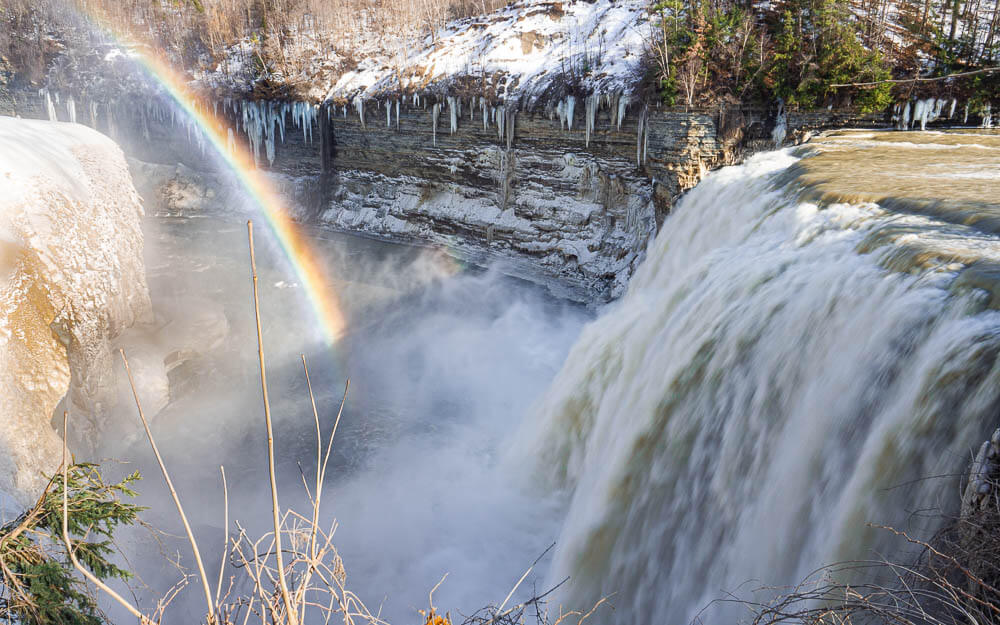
(780, 373)
(810, 334)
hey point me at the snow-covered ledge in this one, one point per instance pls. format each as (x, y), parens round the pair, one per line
(71, 277)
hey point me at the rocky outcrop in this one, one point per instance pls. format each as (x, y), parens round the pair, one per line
(984, 475)
(71, 278)
(571, 205)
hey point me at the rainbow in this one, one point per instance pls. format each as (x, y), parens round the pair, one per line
(315, 280)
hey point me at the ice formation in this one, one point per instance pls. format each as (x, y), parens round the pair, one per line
(927, 110)
(435, 112)
(453, 114)
(623, 102)
(71, 277)
(50, 108)
(591, 104)
(780, 126)
(265, 122)
(642, 138)
(359, 106)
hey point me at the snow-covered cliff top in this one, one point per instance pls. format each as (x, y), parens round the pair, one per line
(529, 49)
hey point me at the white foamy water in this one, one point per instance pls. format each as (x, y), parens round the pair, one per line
(749, 405)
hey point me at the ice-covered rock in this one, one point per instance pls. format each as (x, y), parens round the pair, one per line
(71, 277)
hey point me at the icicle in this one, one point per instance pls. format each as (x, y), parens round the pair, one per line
(71, 109)
(397, 114)
(918, 111)
(279, 116)
(112, 130)
(50, 108)
(570, 108)
(453, 114)
(359, 106)
(641, 142)
(965, 121)
(230, 141)
(472, 109)
(510, 116)
(269, 146)
(561, 112)
(906, 115)
(486, 119)
(302, 119)
(951, 113)
(253, 124)
(988, 116)
(388, 116)
(500, 123)
(435, 111)
(215, 107)
(623, 102)
(590, 105)
(93, 114)
(416, 101)
(780, 126)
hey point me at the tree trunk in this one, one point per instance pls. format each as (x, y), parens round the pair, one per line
(956, 8)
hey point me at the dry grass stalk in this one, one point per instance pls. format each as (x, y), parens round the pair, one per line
(275, 510)
(173, 493)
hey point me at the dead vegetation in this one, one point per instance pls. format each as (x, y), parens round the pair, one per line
(273, 41)
(954, 578)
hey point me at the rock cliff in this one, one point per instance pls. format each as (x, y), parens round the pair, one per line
(569, 198)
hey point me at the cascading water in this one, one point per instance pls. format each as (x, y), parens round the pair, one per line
(756, 396)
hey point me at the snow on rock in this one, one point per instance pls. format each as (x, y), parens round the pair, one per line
(589, 239)
(71, 277)
(527, 50)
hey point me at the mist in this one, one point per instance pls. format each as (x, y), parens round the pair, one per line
(444, 362)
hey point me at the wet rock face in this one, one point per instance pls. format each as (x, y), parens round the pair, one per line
(574, 209)
(984, 475)
(554, 206)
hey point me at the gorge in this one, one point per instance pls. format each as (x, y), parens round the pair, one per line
(671, 361)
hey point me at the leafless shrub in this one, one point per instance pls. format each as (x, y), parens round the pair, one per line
(954, 579)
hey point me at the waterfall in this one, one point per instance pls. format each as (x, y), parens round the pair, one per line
(757, 397)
